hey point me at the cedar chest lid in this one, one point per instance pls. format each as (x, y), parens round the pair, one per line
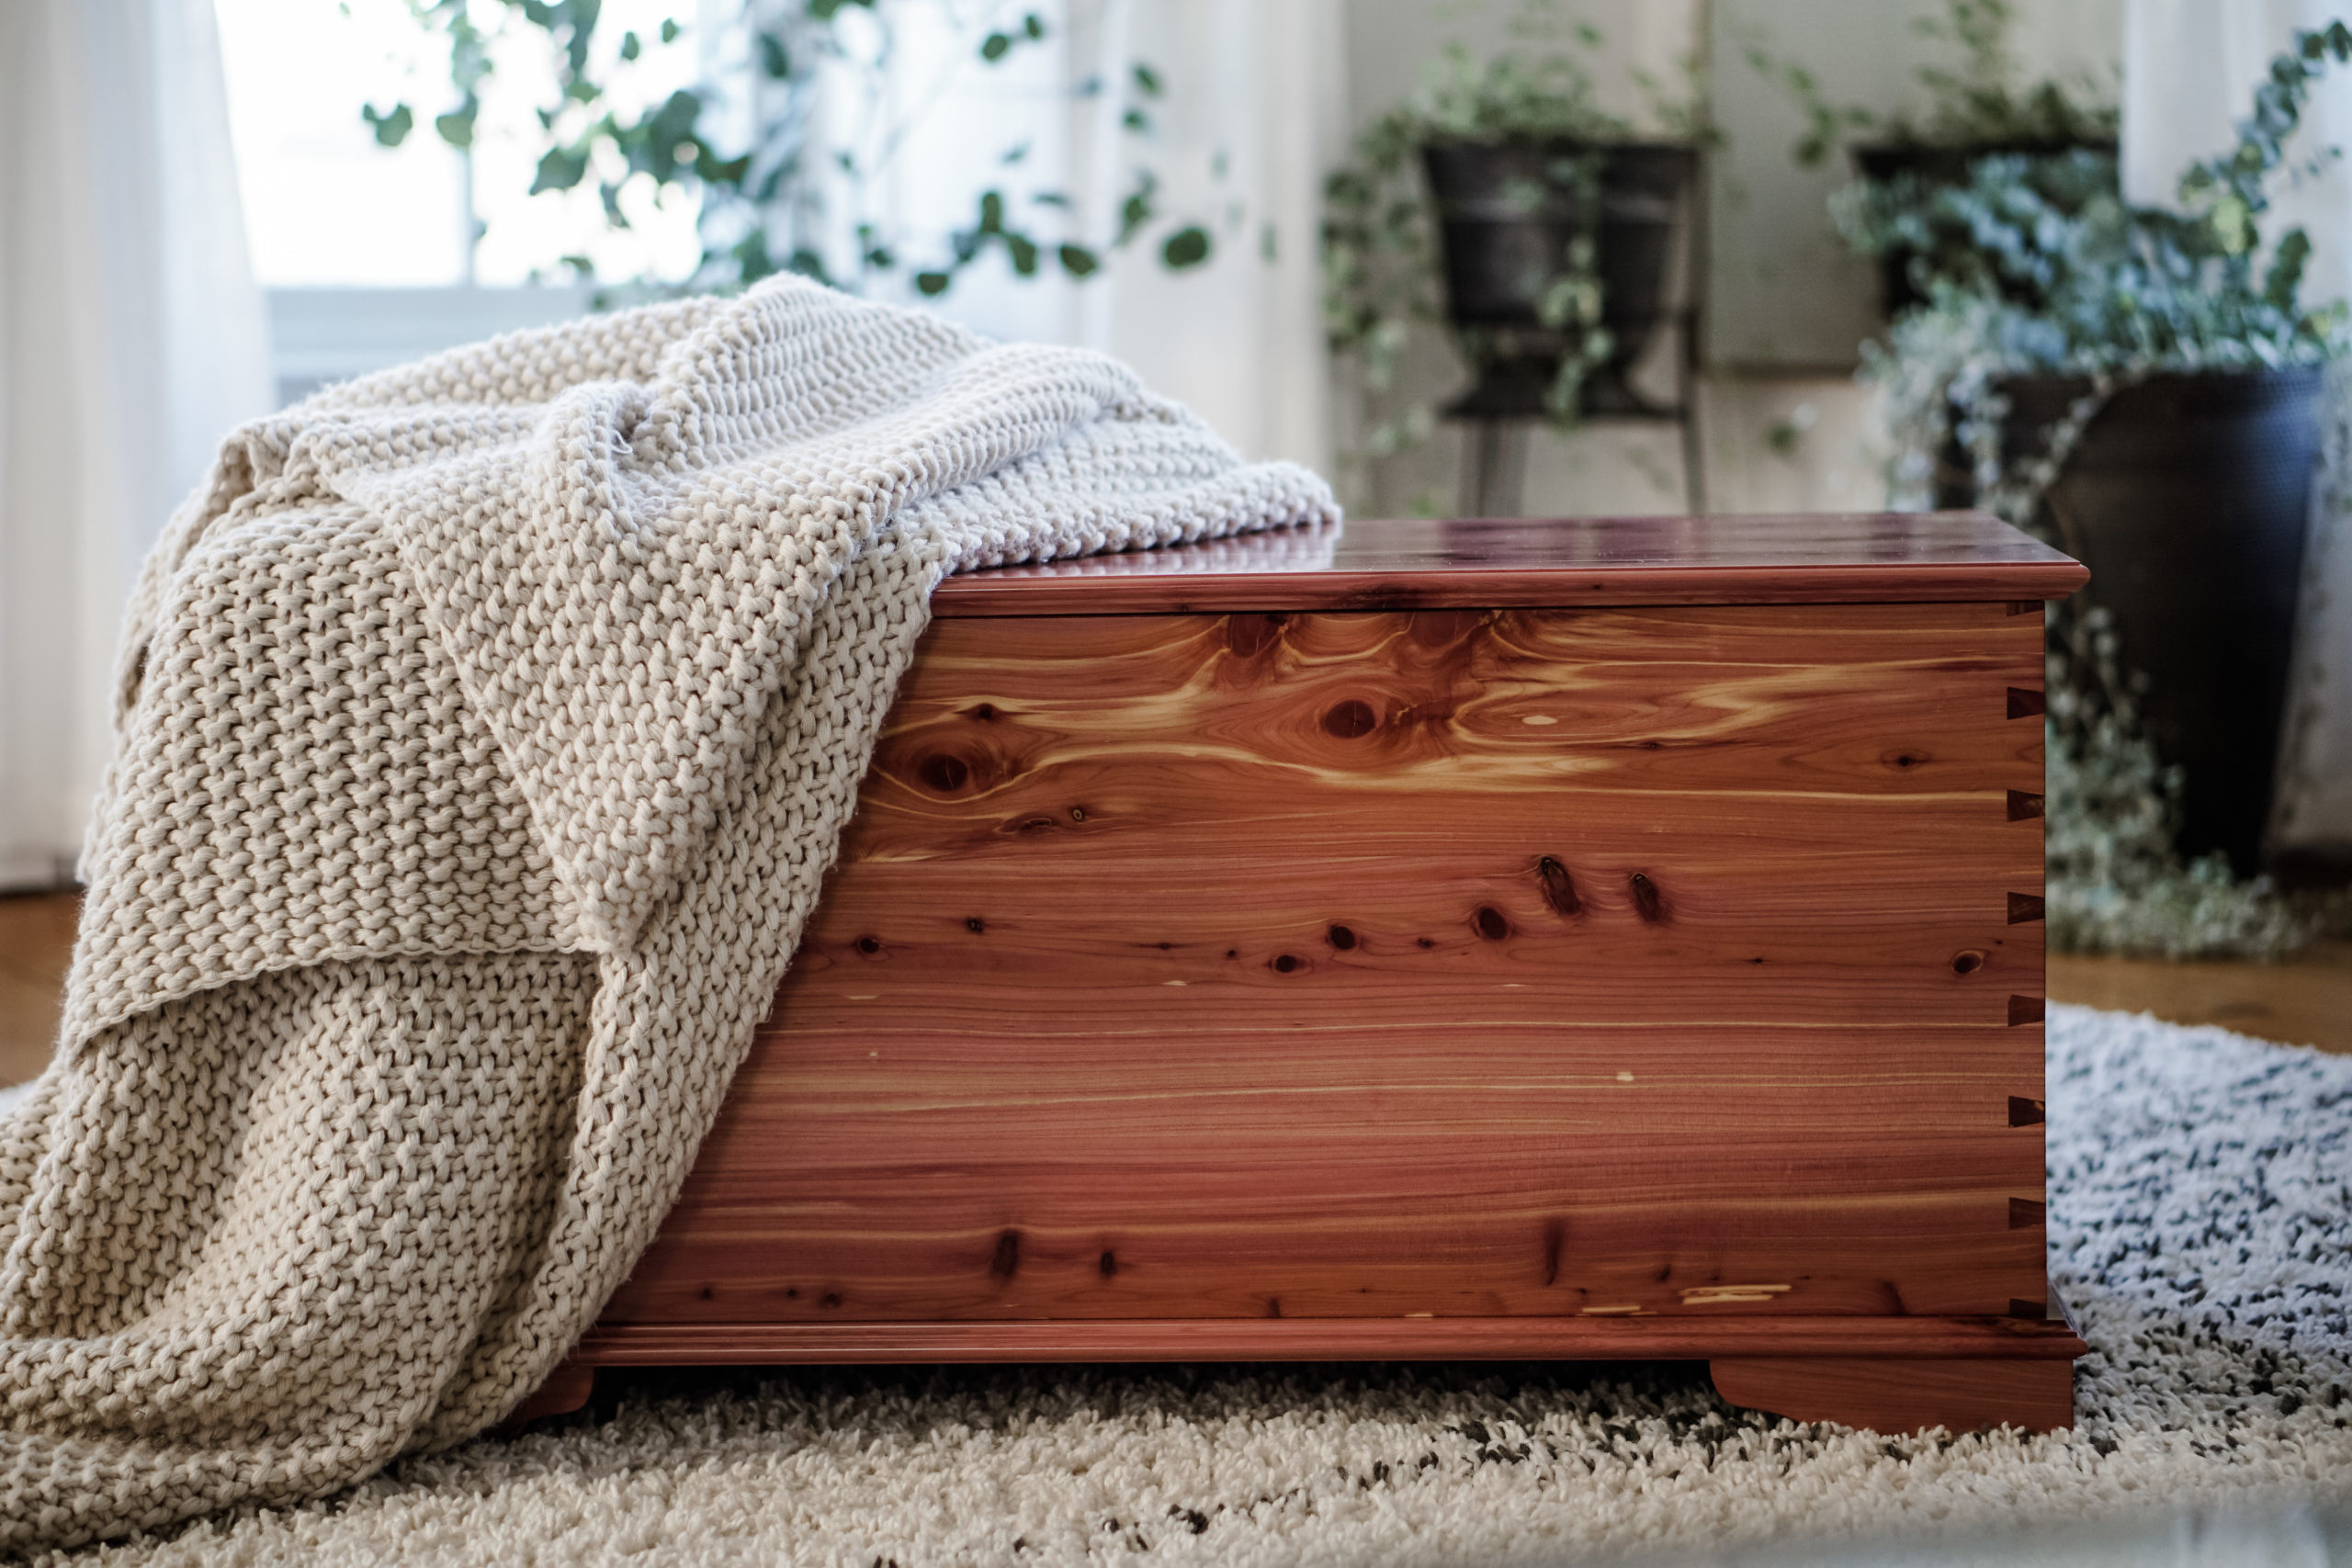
(1505, 563)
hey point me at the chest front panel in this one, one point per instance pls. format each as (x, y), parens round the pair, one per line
(1531, 962)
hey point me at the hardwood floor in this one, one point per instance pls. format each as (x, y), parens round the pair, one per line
(36, 944)
(2304, 1001)
(2307, 1000)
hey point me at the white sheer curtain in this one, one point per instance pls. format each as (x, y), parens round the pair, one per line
(2190, 70)
(1253, 112)
(132, 335)
(1256, 90)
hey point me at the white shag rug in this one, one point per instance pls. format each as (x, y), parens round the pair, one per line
(2201, 1228)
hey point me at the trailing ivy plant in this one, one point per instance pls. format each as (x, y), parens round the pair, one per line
(2062, 277)
(1978, 101)
(1379, 247)
(762, 203)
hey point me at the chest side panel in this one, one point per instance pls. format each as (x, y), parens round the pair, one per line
(1534, 961)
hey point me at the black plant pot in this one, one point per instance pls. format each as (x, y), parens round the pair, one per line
(1506, 213)
(2188, 497)
(1882, 163)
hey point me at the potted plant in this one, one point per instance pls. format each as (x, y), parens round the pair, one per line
(1503, 204)
(1978, 108)
(2140, 386)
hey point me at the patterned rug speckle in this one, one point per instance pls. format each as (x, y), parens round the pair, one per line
(2201, 1229)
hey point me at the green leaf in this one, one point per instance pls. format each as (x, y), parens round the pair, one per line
(1079, 261)
(2233, 225)
(933, 282)
(995, 47)
(582, 15)
(457, 128)
(1135, 120)
(1188, 247)
(714, 170)
(562, 168)
(774, 59)
(630, 47)
(751, 257)
(392, 128)
(674, 120)
(1148, 80)
(1034, 25)
(2286, 275)
(992, 212)
(1023, 252)
(1137, 210)
(670, 29)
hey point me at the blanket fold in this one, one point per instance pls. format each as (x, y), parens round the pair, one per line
(487, 729)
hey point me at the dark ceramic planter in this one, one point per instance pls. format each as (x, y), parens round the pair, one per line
(1506, 213)
(2188, 497)
(1883, 162)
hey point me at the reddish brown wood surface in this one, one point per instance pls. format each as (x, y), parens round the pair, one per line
(1511, 563)
(1906, 1396)
(1613, 963)
(1281, 1339)
(566, 1390)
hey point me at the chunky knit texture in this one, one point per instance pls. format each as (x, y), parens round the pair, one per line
(486, 730)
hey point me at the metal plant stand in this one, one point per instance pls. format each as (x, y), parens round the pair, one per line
(1496, 435)
(1506, 213)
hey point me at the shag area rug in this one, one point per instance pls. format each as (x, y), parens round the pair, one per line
(2200, 1228)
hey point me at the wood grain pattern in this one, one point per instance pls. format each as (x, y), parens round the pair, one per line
(1355, 1339)
(1514, 563)
(1895, 1396)
(1599, 965)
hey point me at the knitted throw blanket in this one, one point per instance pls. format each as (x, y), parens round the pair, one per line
(486, 730)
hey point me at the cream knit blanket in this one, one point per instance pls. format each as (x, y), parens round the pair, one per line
(486, 730)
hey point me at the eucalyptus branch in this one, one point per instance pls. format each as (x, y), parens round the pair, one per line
(2233, 190)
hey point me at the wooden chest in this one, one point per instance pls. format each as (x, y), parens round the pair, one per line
(1586, 940)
